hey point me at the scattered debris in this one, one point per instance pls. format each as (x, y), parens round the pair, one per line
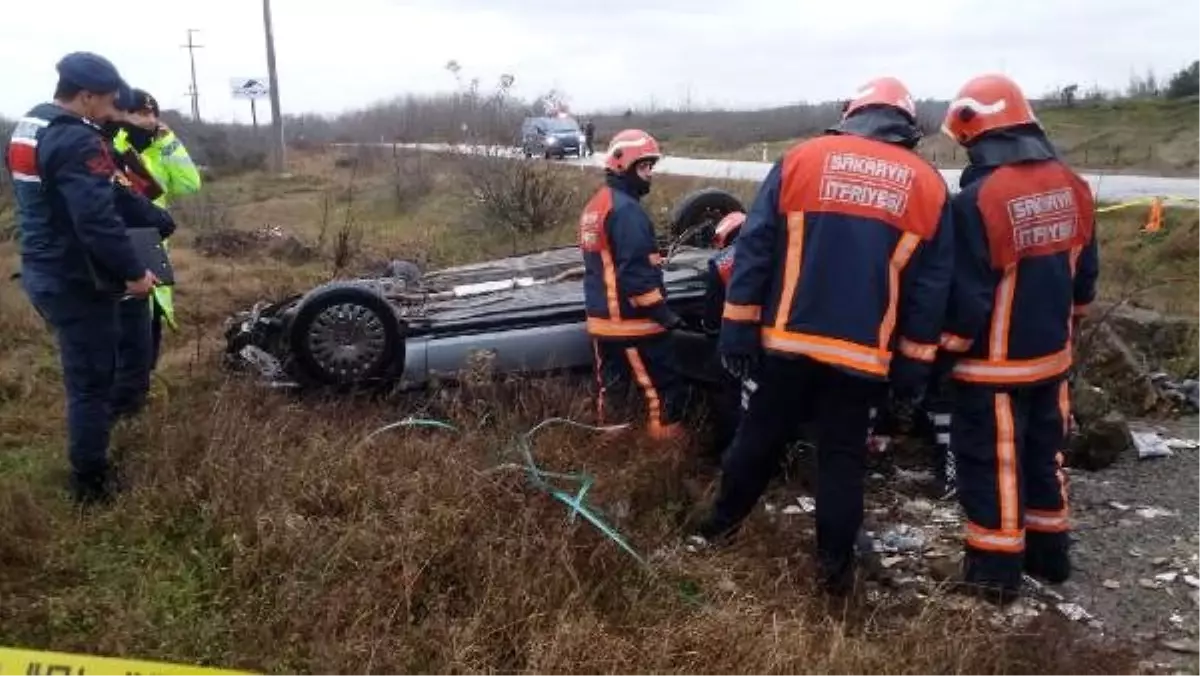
(1119, 506)
(1166, 577)
(1148, 584)
(1183, 444)
(1176, 619)
(1159, 561)
(1184, 393)
(937, 554)
(945, 516)
(1074, 612)
(914, 476)
(1188, 646)
(770, 508)
(1154, 512)
(807, 504)
(1112, 584)
(918, 507)
(1136, 553)
(1192, 580)
(902, 538)
(889, 561)
(792, 510)
(1150, 445)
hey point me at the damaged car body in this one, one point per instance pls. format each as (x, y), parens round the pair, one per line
(519, 315)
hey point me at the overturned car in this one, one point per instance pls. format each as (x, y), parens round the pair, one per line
(519, 315)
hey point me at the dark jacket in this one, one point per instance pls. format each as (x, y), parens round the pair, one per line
(1026, 261)
(623, 285)
(72, 236)
(845, 256)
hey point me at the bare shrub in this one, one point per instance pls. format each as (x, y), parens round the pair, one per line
(527, 198)
(412, 178)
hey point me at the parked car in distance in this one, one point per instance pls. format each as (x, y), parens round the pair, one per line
(551, 137)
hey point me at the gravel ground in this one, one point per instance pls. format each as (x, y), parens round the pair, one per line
(1136, 546)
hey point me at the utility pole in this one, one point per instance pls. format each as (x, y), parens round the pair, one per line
(195, 92)
(277, 159)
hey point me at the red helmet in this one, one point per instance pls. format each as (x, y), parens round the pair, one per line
(986, 103)
(728, 229)
(882, 91)
(628, 148)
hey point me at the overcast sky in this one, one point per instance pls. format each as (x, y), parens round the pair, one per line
(342, 54)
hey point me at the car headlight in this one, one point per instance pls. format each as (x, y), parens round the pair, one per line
(550, 140)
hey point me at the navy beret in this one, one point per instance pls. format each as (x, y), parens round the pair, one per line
(93, 73)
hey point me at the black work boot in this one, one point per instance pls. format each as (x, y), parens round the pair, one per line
(93, 488)
(995, 578)
(1047, 556)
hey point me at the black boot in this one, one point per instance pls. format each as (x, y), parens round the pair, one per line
(93, 488)
(1047, 556)
(995, 578)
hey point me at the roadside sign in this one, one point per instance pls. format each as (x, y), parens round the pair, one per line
(249, 87)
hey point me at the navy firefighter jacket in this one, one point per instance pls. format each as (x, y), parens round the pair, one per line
(845, 258)
(1026, 262)
(72, 235)
(623, 284)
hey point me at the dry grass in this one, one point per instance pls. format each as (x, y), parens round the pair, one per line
(261, 534)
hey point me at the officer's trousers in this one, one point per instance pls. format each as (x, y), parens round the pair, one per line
(135, 357)
(1008, 446)
(650, 364)
(781, 393)
(85, 326)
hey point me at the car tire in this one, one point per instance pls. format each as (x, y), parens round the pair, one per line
(700, 212)
(372, 354)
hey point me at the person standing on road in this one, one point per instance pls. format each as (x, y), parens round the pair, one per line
(589, 136)
(76, 259)
(136, 190)
(1026, 268)
(147, 142)
(842, 272)
(627, 313)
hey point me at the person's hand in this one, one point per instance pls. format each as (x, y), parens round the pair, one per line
(143, 286)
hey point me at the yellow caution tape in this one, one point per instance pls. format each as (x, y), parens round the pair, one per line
(42, 663)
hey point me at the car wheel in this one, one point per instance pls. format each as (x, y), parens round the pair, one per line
(695, 217)
(347, 337)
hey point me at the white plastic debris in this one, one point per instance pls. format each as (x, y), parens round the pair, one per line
(1074, 612)
(945, 516)
(1112, 584)
(1183, 444)
(889, 561)
(1154, 512)
(1136, 553)
(1192, 580)
(902, 538)
(807, 504)
(792, 510)
(1175, 619)
(1119, 506)
(1166, 577)
(1150, 445)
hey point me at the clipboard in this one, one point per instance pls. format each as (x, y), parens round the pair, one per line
(148, 246)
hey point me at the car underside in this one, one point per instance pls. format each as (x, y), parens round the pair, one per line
(517, 315)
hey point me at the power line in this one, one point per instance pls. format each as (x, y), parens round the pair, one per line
(195, 91)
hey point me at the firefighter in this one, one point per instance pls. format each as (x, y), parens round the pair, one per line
(720, 268)
(144, 139)
(842, 272)
(627, 313)
(136, 192)
(1026, 264)
(76, 259)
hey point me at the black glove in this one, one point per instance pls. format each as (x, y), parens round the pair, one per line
(738, 365)
(908, 378)
(669, 320)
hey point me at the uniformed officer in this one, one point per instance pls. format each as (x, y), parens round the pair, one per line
(76, 258)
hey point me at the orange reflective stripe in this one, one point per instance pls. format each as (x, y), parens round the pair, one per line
(653, 406)
(1006, 463)
(667, 432)
(1002, 314)
(900, 257)
(1064, 409)
(1047, 521)
(610, 284)
(828, 350)
(1005, 541)
(952, 343)
(623, 328)
(792, 265)
(917, 351)
(1014, 370)
(742, 313)
(647, 299)
(1059, 461)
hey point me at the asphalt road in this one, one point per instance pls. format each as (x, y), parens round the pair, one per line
(1107, 187)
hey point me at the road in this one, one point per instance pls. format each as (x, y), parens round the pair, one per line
(1106, 187)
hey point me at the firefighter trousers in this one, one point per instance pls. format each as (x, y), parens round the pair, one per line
(651, 366)
(782, 391)
(1008, 445)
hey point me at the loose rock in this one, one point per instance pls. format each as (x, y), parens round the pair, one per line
(1100, 443)
(1112, 584)
(1187, 646)
(1148, 584)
